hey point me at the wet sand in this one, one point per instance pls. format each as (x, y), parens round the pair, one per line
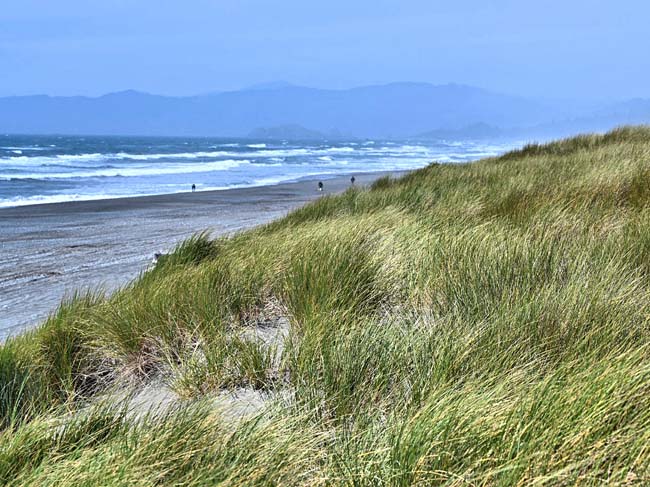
(50, 251)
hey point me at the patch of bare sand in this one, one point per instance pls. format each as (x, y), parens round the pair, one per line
(156, 397)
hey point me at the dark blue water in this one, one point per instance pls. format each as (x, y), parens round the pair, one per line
(47, 169)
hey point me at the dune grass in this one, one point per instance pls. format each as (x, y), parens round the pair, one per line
(475, 324)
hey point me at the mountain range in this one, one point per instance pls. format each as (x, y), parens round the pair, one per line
(281, 110)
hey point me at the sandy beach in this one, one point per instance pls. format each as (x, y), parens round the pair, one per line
(51, 251)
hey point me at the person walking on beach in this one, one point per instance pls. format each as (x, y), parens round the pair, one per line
(320, 185)
(193, 188)
(352, 180)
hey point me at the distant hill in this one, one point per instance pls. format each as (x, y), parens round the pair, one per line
(392, 110)
(601, 119)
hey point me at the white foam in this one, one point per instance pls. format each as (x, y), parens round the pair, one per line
(268, 164)
(179, 155)
(66, 159)
(280, 153)
(73, 159)
(134, 171)
(298, 152)
(55, 198)
(53, 160)
(27, 147)
(256, 146)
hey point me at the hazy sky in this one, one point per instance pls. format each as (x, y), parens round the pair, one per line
(552, 48)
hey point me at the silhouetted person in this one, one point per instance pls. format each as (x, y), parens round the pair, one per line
(320, 185)
(193, 188)
(352, 180)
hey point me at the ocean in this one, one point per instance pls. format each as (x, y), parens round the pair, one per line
(50, 169)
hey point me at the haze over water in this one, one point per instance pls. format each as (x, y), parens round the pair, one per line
(48, 169)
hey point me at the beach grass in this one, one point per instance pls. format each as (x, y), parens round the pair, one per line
(470, 324)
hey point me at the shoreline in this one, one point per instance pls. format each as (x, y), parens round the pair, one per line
(150, 198)
(338, 180)
(52, 250)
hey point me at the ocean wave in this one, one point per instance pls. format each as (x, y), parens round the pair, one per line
(281, 152)
(133, 171)
(418, 149)
(52, 160)
(26, 147)
(99, 157)
(268, 164)
(62, 159)
(176, 155)
(47, 199)
(298, 152)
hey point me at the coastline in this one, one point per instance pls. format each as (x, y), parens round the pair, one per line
(52, 250)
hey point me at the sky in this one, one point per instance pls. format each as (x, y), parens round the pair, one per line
(574, 49)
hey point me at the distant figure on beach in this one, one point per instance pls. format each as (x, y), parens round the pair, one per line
(193, 188)
(320, 185)
(352, 180)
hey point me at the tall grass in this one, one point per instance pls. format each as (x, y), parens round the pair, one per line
(475, 324)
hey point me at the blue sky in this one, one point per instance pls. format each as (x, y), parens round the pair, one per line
(556, 49)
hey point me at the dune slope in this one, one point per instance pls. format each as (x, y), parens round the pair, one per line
(478, 324)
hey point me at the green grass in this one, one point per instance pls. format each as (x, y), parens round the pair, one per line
(475, 324)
